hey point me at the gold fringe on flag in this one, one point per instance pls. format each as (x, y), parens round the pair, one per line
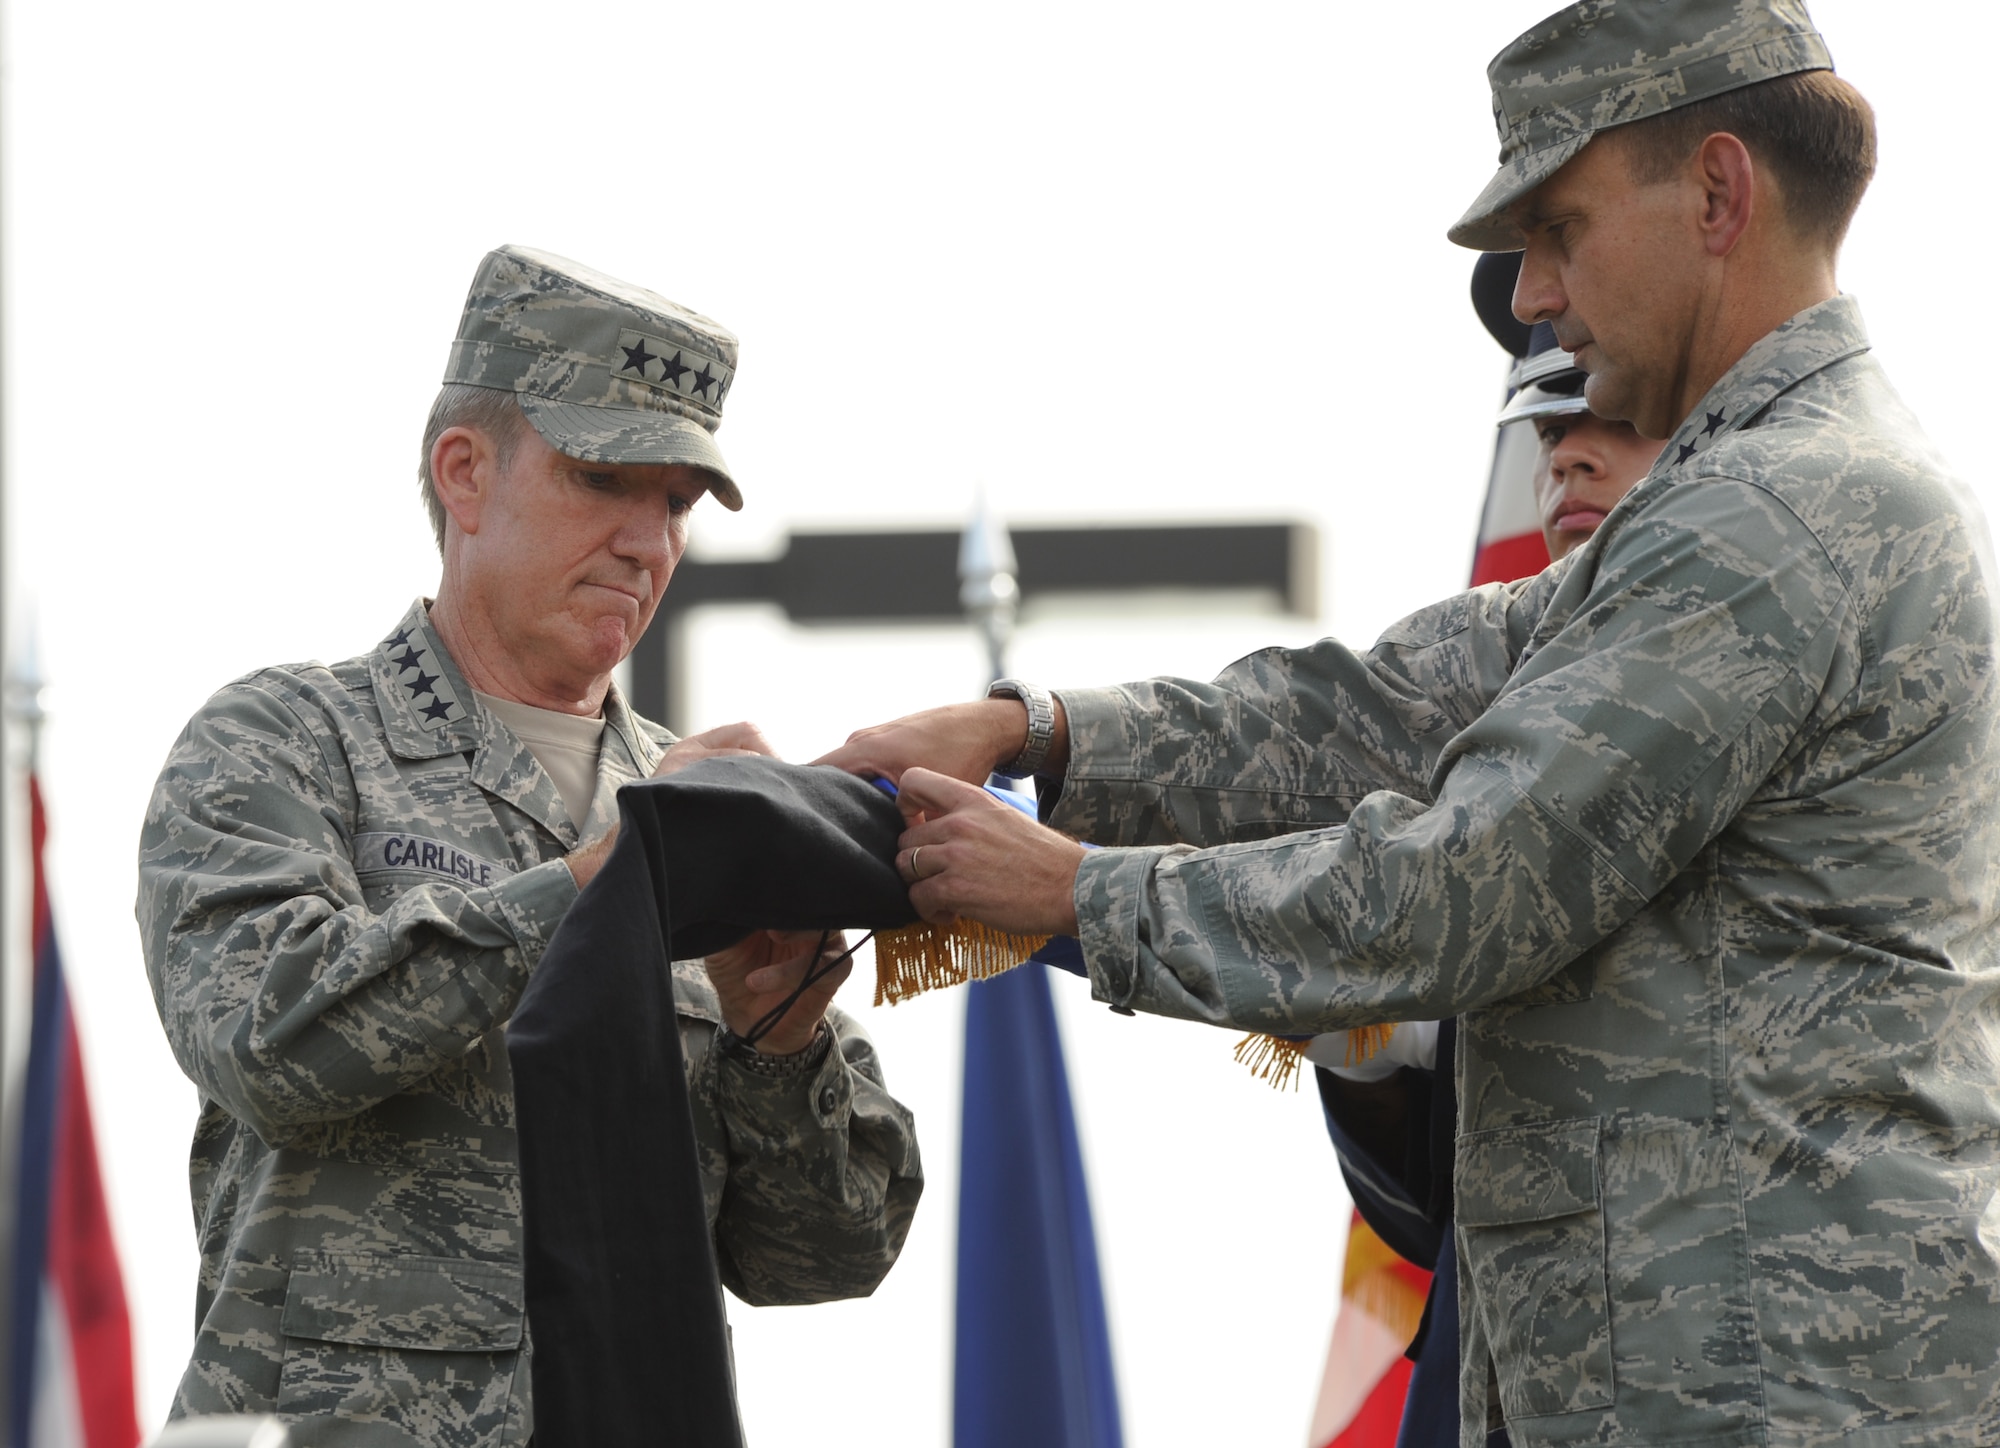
(1272, 1058)
(1278, 1059)
(1377, 1281)
(924, 957)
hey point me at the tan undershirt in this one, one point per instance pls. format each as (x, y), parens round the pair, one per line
(565, 745)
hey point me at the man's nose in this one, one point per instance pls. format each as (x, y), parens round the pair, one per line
(648, 536)
(1538, 295)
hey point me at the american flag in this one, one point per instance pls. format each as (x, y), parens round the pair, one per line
(71, 1336)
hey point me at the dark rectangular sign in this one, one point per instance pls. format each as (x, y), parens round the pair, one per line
(912, 577)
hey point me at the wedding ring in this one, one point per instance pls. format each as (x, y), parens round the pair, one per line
(915, 873)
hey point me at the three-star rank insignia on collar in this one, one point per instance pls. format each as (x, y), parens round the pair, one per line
(1690, 442)
(422, 677)
(670, 367)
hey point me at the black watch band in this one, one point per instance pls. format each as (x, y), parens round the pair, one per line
(759, 1063)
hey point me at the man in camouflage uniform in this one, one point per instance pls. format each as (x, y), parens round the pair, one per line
(1694, 831)
(348, 874)
(1393, 1116)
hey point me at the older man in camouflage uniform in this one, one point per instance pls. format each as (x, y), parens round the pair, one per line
(1695, 830)
(348, 874)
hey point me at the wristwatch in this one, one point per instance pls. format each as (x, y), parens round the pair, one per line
(1041, 725)
(761, 1063)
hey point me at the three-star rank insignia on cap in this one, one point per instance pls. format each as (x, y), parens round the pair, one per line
(671, 367)
(425, 687)
(1690, 442)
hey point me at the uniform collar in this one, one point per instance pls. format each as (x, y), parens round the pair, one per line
(1815, 339)
(628, 754)
(1810, 342)
(429, 711)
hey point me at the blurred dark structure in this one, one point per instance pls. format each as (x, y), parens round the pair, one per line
(913, 577)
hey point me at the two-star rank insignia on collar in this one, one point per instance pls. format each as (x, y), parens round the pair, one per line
(1714, 423)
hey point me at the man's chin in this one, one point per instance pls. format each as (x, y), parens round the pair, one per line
(1618, 398)
(1604, 396)
(604, 643)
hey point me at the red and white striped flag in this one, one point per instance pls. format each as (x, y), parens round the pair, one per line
(1367, 1376)
(1510, 528)
(71, 1357)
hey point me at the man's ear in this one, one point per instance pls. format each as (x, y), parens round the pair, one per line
(1728, 178)
(463, 469)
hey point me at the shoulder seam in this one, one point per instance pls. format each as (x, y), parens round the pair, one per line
(1868, 659)
(262, 680)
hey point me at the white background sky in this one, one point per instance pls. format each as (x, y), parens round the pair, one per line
(1118, 262)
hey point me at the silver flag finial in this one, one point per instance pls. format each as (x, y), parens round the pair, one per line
(986, 584)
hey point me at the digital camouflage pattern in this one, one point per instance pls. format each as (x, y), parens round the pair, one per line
(1696, 833)
(347, 875)
(1601, 63)
(606, 371)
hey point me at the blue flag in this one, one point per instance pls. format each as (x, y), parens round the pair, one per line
(1033, 1357)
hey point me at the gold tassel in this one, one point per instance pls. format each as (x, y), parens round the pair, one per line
(924, 957)
(1272, 1058)
(1365, 1041)
(1278, 1060)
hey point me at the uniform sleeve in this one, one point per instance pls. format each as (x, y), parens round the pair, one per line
(1623, 745)
(284, 996)
(1287, 739)
(813, 1177)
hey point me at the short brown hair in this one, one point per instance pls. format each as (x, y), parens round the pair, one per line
(484, 409)
(1813, 130)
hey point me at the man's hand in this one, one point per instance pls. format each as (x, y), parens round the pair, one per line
(586, 860)
(966, 853)
(965, 741)
(726, 741)
(753, 977)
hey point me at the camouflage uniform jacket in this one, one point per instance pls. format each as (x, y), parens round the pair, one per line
(346, 876)
(1696, 832)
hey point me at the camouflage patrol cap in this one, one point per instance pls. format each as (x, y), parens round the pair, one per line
(1604, 63)
(606, 371)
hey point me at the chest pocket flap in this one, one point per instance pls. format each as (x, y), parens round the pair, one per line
(437, 1304)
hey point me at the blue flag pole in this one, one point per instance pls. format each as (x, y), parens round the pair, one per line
(1032, 1353)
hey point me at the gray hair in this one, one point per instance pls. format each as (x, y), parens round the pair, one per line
(484, 409)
